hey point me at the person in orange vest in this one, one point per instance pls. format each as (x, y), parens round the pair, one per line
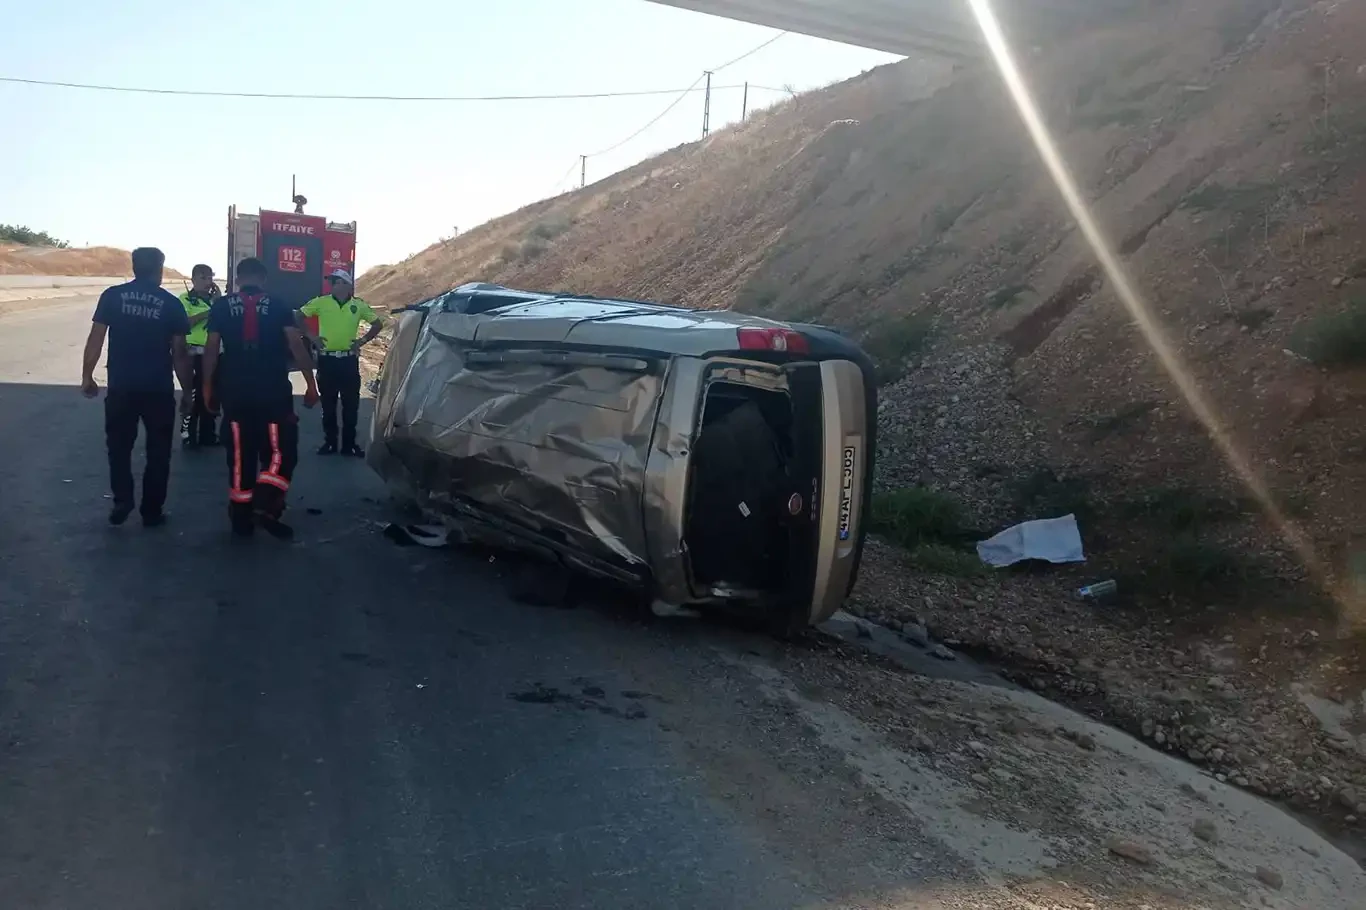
(339, 316)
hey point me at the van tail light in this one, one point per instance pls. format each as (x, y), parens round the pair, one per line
(780, 340)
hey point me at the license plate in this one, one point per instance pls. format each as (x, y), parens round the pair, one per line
(847, 463)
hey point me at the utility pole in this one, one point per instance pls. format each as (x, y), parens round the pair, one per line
(706, 109)
(583, 171)
(744, 105)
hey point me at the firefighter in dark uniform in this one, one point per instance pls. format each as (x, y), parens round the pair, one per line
(146, 328)
(259, 339)
(339, 316)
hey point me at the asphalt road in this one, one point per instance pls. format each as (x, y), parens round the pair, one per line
(192, 721)
(48, 281)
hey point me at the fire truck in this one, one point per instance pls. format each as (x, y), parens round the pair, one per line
(298, 250)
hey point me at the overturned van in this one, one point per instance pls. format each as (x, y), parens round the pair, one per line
(703, 457)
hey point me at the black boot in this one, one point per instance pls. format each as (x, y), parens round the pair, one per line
(239, 517)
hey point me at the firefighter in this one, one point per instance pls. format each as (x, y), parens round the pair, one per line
(146, 327)
(258, 338)
(339, 316)
(198, 428)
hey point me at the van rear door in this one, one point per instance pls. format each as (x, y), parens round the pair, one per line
(830, 470)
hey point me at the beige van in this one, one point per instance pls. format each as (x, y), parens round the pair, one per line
(703, 457)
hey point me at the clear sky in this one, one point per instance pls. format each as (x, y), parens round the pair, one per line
(130, 169)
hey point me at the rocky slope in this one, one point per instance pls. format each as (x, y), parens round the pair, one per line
(1220, 144)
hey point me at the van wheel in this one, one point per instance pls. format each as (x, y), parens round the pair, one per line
(540, 584)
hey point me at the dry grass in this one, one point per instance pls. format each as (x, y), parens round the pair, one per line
(90, 261)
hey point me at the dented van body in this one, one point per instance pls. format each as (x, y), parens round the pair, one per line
(704, 457)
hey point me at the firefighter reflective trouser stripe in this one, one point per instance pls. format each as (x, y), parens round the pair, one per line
(262, 453)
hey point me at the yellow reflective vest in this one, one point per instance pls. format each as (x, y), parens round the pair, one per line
(338, 322)
(194, 305)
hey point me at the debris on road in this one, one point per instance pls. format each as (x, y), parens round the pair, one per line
(1130, 850)
(430, 536)
(1206, 830)
(940, 652)
(1270, 877)
(916, 634)
(1055, 540)
(1099, 590)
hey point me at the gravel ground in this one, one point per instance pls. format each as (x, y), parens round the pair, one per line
(979, 766)
(1211, 703)
(953, 425)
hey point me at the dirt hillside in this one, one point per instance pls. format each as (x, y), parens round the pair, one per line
(92, 261)
(1220, 143)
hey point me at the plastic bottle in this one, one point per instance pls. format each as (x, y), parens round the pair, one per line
(1099, 589)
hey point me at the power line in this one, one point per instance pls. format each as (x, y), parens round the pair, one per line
(291, 96)
(747, 54)
(658, 117)
(683, 94)
(555, 191)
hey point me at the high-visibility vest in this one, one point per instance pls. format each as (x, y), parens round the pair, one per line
(338, 322)
(199, 334)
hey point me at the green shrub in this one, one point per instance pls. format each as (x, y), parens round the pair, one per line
(1043, 494)
(1185, 509)
(1253, 319)
(892, 344)
(916, 516)
(757, 295)
(1244, 199)
(945, 216)
(533, 247)
(550, 228)
(1007, 296)
(1335, 339)
(23, 236)
(1121, 420)
(940, 559)
(1190, 563)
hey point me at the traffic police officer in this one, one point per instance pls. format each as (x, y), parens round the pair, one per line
(339, 316)
(198, 427)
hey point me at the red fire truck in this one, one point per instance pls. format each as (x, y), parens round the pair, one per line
(298, 250)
